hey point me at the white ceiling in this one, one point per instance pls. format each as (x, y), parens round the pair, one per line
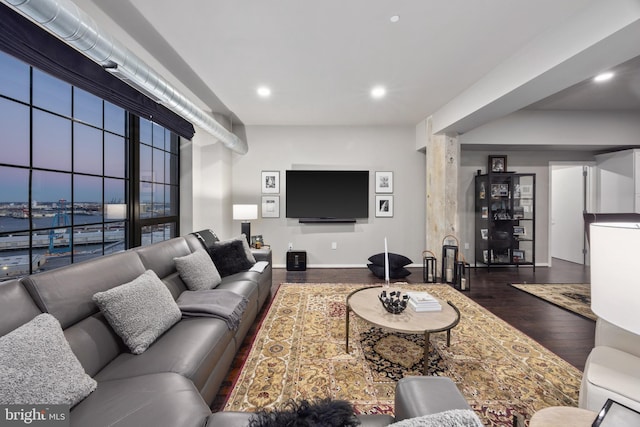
(321, 58)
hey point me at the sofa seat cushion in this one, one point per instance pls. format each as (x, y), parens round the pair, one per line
(252, 276)
(191, 348)
(615, 371)
(160, 400)
(245, 288)
(263, 280)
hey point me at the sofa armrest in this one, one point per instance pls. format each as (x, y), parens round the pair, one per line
(263, 254)
(418, 396)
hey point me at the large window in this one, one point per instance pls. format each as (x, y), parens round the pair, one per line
(79, 176)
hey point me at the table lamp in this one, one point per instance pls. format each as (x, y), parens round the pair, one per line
(245, 213)
(615, 289)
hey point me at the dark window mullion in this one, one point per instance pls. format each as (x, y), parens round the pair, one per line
(73, 161)
(30, 191)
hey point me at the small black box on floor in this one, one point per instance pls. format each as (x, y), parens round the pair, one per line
(296, 260)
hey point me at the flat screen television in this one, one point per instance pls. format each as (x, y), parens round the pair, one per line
(327, 195)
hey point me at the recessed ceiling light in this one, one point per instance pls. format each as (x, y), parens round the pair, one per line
(603, 77)
(378, 92)
(394, 18)
(264, 92)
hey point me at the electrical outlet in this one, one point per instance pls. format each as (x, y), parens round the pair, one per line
(290, 246)
(334, 245)
(466, 245)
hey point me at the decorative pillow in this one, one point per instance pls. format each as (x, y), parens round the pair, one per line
(39, 367)
(453, 418)
(326, 413)
(139, 311)
(198, 271)
(230, 257)
(395, 260)
(247, 249)
(394, 273)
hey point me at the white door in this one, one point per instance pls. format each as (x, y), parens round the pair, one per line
(570, 185)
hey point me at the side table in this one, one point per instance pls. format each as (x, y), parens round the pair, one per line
(563, 416)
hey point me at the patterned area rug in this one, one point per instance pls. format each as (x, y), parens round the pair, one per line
(572, 297)
(299, 353)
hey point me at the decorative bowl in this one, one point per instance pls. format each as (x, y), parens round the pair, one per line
(394, 302)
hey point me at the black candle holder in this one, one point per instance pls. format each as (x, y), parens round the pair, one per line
(394, 302)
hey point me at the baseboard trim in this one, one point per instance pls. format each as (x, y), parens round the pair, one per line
(341, 266)
(414, 265)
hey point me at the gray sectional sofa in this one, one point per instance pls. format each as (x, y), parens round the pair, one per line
(174, 381)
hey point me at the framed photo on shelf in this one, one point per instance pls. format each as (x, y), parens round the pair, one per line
(485, 212)
(257, 241)
(499, 190)
(270, 206)
(518, 212)
(497, 164)
(270, 182)
(519, 230)
(484, 232)
(384, 206)
(526, 191)
(384, 182)
(518, 255)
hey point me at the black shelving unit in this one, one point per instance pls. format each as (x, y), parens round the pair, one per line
(505, 219)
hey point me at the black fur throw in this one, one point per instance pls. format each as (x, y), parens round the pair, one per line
(321, 413)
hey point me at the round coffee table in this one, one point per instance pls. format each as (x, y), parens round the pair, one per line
(365, 304)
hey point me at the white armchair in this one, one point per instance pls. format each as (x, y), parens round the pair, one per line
(612, 370)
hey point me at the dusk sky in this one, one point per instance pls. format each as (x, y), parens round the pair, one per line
(71, 130)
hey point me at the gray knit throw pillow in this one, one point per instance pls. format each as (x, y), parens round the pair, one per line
(198, 271)
(139, 311)
(39, 368)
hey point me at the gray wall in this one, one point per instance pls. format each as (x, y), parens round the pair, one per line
(388, 148)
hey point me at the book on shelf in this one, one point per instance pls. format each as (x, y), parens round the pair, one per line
(423, 301)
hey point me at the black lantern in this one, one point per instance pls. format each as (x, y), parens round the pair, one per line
(428, 267)
(449, 258)
(462, 279)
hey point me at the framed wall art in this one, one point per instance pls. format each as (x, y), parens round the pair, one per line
(384, 206)
(497, 164)
(270, 206)
(384, 182)
(270, 182)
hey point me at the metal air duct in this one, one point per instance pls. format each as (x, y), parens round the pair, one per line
(67, 21)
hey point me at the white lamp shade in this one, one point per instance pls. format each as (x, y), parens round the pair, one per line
(115, 211)
(615, 283)
(245, 212)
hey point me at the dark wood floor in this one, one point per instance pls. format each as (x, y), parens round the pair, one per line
(566, 334)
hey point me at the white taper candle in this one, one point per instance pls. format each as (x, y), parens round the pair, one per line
(386, 261)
